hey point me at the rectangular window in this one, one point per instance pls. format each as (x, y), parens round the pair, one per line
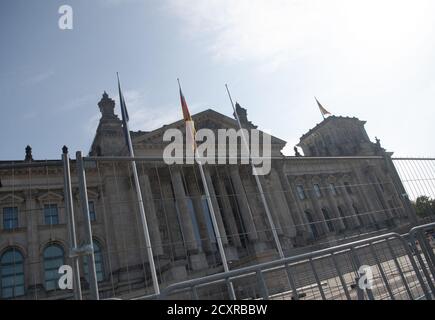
(51, 215)
(92, 214)
(301, 192)
(333, 189)
(317, 191)
(10, 218)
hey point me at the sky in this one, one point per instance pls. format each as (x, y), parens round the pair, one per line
(370, 59)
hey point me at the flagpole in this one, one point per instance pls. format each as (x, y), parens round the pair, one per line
(139, 196)
(212, 213)
(257, 180)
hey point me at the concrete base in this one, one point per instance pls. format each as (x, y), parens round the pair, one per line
(287, 243)
(175, 273)
(198, 261)
(260, 247)
(231, 253)
(265, 256)
(331, 239)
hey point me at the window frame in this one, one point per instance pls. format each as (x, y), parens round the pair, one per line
(14, 274)
(300, 190)
(317, 190)
(14, 218)
(50, 206)
(333, 189)
(99, 260)
(327, 217)
(51, 269)
(93, 212)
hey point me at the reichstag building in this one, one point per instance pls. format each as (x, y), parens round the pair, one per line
(339, 185)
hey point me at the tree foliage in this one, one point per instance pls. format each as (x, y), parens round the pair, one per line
(425, 206)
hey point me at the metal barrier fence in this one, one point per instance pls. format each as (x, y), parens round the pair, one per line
(83, 213)
(418, 177)
(397, 270)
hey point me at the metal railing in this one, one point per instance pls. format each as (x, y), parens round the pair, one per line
(399, 271)
(397, 275)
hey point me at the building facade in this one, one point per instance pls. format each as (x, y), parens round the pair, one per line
(344, 186)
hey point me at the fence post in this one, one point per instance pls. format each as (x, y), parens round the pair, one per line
(291, 282)
(262, 284)
(71, 223)
(360, 291)
(316, 277)
(230, 289)
(87, 224)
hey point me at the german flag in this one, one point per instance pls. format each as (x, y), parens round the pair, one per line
(190, 125)
(323, 111)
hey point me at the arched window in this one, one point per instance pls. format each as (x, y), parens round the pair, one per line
(11, 274)
(317, 190)
(99, 265)
(328, 220)
(301, 192)
(53, 259)
(312, 224)
(343, 216)
(355, 208)
(333, 189)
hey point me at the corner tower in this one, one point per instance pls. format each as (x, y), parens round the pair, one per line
(339, 136)
(109, 139)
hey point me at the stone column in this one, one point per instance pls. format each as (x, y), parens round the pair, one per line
(321, 224)
(197, 258)
(367, 219)
(273, 206)
(114, 214)
(228, 213)
(230, 251)
(150, 211)
(130, 225)
(175, 237)
(200, 214)
(371, 200)
(256, 205)
(216, 209)
(338, 222)
(300, 218)
(367, 206)
(354, 222)
(183, 208)
(374, 174)
(242, 201)
(284, 213)
(175, 245)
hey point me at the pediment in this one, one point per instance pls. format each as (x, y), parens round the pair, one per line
(50, 196)
(92, 194)
(207, 119)
(11, 198)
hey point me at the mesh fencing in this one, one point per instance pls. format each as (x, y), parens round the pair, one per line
(339, 203)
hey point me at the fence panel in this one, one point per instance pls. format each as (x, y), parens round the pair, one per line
(331, 274)
(35, 219)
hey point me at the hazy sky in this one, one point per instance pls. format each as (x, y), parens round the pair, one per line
(371, 59)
